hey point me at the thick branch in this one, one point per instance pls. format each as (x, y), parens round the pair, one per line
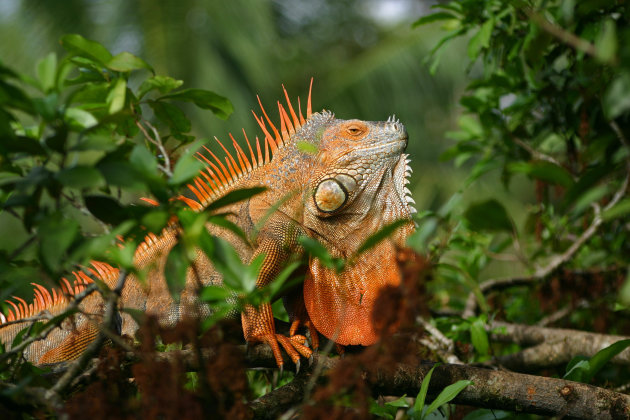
(552, 346)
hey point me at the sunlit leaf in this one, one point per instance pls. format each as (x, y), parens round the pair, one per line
(126, 61)
(76, 44)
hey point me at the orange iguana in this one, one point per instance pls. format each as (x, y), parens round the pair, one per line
(349, 184)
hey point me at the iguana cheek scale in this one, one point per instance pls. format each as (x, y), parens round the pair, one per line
(338, 181)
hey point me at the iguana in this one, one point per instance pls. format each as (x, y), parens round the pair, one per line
(337, 181)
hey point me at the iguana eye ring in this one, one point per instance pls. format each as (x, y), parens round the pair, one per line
(330, 195)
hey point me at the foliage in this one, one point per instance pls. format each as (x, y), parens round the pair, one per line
(546, 112)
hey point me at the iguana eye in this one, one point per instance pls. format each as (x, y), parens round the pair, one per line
(355, 130)
(330, 195)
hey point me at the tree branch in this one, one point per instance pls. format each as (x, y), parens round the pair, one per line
(551, 346)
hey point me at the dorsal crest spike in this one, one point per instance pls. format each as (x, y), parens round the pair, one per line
(242, 158)
(287, 122)
(226, 178)
(296, 121)
(283, 124)
(251, 152)
(309, 109)
(269, 141)
(214, 167)
(233, 170)
(273, 127)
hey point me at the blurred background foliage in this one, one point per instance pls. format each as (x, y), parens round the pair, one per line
(366, 59)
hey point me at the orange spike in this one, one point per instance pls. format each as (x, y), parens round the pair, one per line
(223, 181)
(10, 315)
(209, 183)
(302, 120)
(45, 294)
(233, 170)
(273, 127)
(260, 158)
(267, 157)
(191, 203)
(200, 186)
(22, 306)
(285, 117)
(309, 110)
(283, 125)
(296, 121)
(194, 190)
(215, 182)
(242, 158)
(268, 138)
(57, 298)
(206, 187)
(251, 152)
(150, 201)
(225, 171)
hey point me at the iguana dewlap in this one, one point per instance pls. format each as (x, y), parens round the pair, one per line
(338, 181)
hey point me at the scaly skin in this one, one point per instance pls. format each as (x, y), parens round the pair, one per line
(344, 186)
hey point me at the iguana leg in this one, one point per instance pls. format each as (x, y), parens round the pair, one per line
(258, 323)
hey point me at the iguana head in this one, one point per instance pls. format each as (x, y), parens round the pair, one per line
(359, 179)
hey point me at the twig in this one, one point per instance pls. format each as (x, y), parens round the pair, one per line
(443, 345)
(562, 34)
(157, 141)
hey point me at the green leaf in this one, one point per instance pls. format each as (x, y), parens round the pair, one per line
(434, 17)
(56, 234)
(143, 160)
(585, 370)
(543, 170)
(126, 61)
(488, 215)
(77, 45)
(215, 293)
(606, 42)
(319, 251)
(47, 71)
(79, 119)
(418, 406)
(163, 84)
(122, 174)
(447, 395)
(204, 99)
(234, 197)
(81, 177)
(618, 210)
(479, 337)
(116, 96)
(616, 99)
(187, 167)
(381, 234)
(175, 271)
(106, 209)
(172, 116)
(480, 40)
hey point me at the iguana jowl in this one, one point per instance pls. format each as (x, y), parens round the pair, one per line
(348, 182)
